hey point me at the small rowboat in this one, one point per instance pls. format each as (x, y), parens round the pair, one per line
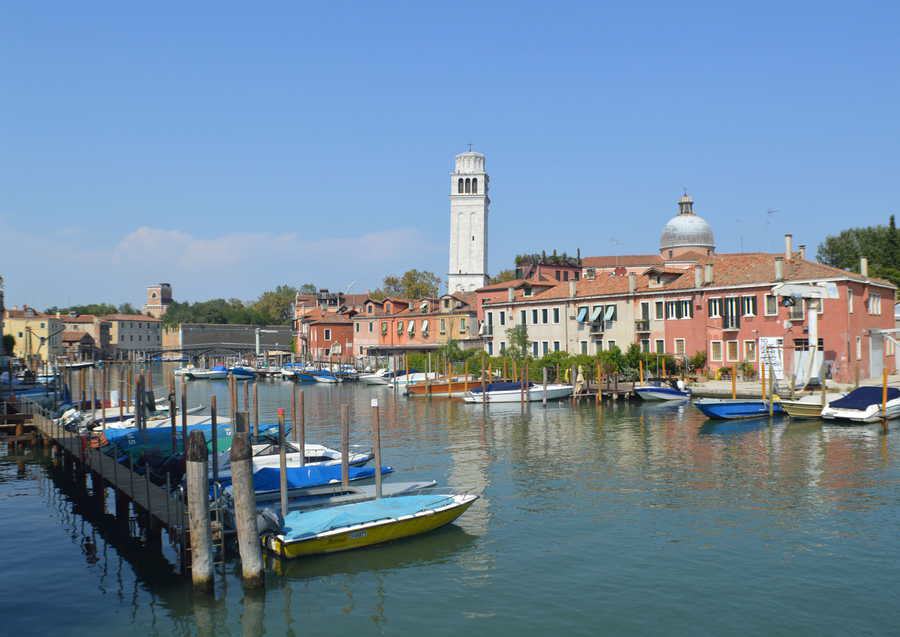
(733, 408)
(801, 408)
(353, 526)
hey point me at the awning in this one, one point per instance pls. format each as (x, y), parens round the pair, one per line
(582, 314)
(610, 313)
(412, 328)
(425, 326)
(595, 314)
(482, 328)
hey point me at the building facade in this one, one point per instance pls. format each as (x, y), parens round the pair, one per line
(134, 335)
(38, 336)
(469, 204)
(325, 337)
(159, 298)
(98, 329)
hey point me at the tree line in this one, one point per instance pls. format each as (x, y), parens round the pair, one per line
(879, 244)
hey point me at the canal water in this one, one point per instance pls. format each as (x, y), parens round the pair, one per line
(630, 519)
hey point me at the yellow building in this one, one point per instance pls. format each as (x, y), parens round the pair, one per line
(37, 336)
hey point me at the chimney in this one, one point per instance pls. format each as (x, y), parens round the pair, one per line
(709, 274)
(864, 267)
(510, 294)
(802, 249)
(779, 269)
(572, 288)
(698, 275)
(788, 247)
(632, 282)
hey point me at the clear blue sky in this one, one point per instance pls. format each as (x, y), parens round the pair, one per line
(227, 150)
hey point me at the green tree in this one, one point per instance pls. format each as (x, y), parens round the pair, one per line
(413, 284)
(308, 288)
(275, 307)
(91, 308)
(9, 344)
(128, 308)
(503, 275)
(880, 244)
(518, 341)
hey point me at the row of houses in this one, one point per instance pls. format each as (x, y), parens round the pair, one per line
(47, 337)
(684, 303)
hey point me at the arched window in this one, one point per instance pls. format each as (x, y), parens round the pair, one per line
(459, 186)
(474, 185)
(468, 185)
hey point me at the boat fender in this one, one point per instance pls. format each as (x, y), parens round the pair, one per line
(268, 522)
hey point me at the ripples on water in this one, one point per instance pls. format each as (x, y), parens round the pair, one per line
(625, 519)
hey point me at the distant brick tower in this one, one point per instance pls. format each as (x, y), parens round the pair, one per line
(159, 297)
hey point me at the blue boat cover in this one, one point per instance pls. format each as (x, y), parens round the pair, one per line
(304, 524)
(863, 397)
(501, 386)
(269, 478)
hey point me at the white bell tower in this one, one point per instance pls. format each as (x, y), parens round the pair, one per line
(468, 224)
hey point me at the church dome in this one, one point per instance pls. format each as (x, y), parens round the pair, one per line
(687, 230)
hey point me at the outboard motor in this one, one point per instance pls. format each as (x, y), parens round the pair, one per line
(268, 522)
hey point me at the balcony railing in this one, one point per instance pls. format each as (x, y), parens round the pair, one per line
(642, 325)
(598, 327)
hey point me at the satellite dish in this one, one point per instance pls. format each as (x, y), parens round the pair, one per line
(788, 301)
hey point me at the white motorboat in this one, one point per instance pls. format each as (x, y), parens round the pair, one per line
(658, 391)
(377, 377)
(506, 392)
(219, 372)
(183, 371)
(268, 455)
(158, 420)
(412, 378)
(863, 405)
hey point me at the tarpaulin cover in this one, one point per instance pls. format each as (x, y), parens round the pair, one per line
(507, 386)
(863, 397)
(301, 524)
(269, 478)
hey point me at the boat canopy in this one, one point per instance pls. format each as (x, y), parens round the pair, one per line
(582, 314)
(864, 397)
(303, 524)
(595, 314)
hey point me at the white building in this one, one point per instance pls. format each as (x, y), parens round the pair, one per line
(469, 203)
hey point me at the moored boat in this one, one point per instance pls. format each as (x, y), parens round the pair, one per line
(651, 391)
(219, 372)
(864, 405)
(455, 387)
(511, 392)
(242, 372)
(734, 408)
(269, 455)
(352, 526)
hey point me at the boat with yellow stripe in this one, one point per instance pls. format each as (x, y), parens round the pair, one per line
(353, 526)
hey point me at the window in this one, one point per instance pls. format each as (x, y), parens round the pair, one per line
(659, 311)
(682, 309)
(670, 309)
(534, 348)
(502, 318)
(610, 344)
(555, 346)
(874, 304)
(731, 351)
(645, 345)
(859, 348)
(566, 275)
(679, 347)
(534, 317)
(556, 315)
(645, 311)
(715, 351)
(749, 350)
(660, 346)
(371, 326)
(474, 185)
(850, 300)
(502, 346)
(797, 310)
(400, 327)
(443, 326)
(545, 316)
(43, 325)
(584, 347)
(490, 348)
(327, 334)
(462, 324)
(731, 314)
(545, 348)
(356, 326)
(522, 315)
(459, 186)
(748, 305)
(582, 315)
(384, 328)
(557, 275)
(715, 308)
(802, 345)
(771, 305)
(526, 291)
(468, 186)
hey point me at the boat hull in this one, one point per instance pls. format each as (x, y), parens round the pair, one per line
(532, 394)
(862, 416)
(732, 409)
(453, 389)
(660, 393)
(360, 536)
(798, 409)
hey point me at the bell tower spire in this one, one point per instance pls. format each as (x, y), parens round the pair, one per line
(469, 203)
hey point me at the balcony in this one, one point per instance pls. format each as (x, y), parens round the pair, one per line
(642, 325)
(598, 327)
(731, 323)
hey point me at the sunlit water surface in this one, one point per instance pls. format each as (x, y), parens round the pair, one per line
(630, 519)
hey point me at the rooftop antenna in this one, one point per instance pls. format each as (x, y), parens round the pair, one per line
(616, 243)
(470, 148)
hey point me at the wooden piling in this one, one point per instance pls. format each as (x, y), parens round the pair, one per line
(294, 411)
(300, 434)
(345, 446)
(641, 370)
(544, 378)
(376, 446)
(245, 510)
(173, 433)
(282, 463)
(762, 376)
(184, 426)
(733, 382)
(198, 512)
(255, 410)
(884, 399)
(213, 431)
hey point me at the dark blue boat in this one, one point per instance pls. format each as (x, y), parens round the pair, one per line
(732, 408)
(268, 479)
